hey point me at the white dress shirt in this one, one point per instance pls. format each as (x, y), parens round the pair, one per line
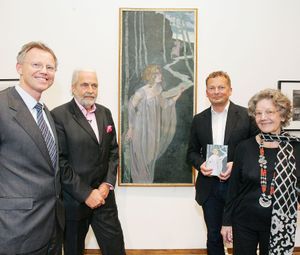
(218, 121)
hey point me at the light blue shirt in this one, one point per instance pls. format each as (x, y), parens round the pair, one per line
(30, 102)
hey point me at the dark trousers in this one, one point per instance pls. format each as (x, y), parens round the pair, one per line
(53, 247)
(213, 212)
(106, 226)
(246, 240)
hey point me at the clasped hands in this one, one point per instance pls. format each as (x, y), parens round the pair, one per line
(226, 233)
(223, 175)
(97, 196)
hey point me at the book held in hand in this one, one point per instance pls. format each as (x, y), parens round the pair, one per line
(216, 158)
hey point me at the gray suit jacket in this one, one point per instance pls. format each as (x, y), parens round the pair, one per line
(30, 187)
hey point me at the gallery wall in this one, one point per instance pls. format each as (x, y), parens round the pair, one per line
(257, 42)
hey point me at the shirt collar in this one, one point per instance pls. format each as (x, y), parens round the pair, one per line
(27, 98)
(83, 110)
(224, 111)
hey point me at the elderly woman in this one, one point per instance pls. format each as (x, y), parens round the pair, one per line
(261, 205)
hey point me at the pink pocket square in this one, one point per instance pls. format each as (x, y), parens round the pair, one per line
(109, 129)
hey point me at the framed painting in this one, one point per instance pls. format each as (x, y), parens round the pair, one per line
(291, 89)
(5, 83)
(157, 91)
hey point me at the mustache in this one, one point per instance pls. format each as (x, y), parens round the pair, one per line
(87, 94)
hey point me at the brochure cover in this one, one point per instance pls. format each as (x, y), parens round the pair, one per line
(216, 158)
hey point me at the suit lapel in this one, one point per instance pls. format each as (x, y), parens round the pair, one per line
(231, 121)
(25, 120)
(100, 122)
(208, 126)
(82, 121)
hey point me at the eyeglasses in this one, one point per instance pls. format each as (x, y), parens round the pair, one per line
(267, 113)
(39, 66)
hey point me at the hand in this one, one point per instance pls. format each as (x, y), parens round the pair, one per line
(225, 175)
(181, 89)
(204, 170)
(182, 86)
(95, 199)
(104, 189)
(226, 232)
(129, 134)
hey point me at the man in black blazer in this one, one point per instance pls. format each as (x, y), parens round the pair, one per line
(224, 123)
(31, 210)
(88, 145)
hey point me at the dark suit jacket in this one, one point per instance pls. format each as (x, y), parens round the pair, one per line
(239, 127)
(95, 162)
(30, 187)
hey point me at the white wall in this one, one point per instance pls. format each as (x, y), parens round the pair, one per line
(257, 42)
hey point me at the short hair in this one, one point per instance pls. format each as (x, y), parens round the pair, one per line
(31, 45)
(149, 73)
(219, 74)
(281, 102)
(76, 72)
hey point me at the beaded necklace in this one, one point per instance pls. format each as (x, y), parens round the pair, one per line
(264, 200)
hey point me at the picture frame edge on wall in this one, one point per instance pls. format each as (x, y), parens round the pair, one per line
(288, 88)
(5, 83)
(121, 133)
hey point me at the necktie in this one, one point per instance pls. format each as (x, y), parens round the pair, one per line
(49, 140)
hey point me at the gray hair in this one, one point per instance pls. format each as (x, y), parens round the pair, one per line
(76, 72)
(281, 102)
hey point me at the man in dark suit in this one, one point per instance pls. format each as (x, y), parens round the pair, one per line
(31, 210)
(88, 145)
(224, 123)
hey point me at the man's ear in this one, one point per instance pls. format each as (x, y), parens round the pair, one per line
(19, 68)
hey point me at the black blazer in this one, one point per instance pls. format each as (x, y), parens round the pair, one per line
(239, 126)
(95, 162)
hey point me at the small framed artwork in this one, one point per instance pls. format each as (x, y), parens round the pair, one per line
(291, 88)
(216, 158)
(5, 83)
(157, 91)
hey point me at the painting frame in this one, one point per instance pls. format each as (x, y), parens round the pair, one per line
(291, 88)
(133, 63)
(5, 83)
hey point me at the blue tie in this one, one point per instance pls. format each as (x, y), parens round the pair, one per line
(49, 140)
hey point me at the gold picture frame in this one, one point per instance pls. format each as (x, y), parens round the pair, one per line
(157, 92)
